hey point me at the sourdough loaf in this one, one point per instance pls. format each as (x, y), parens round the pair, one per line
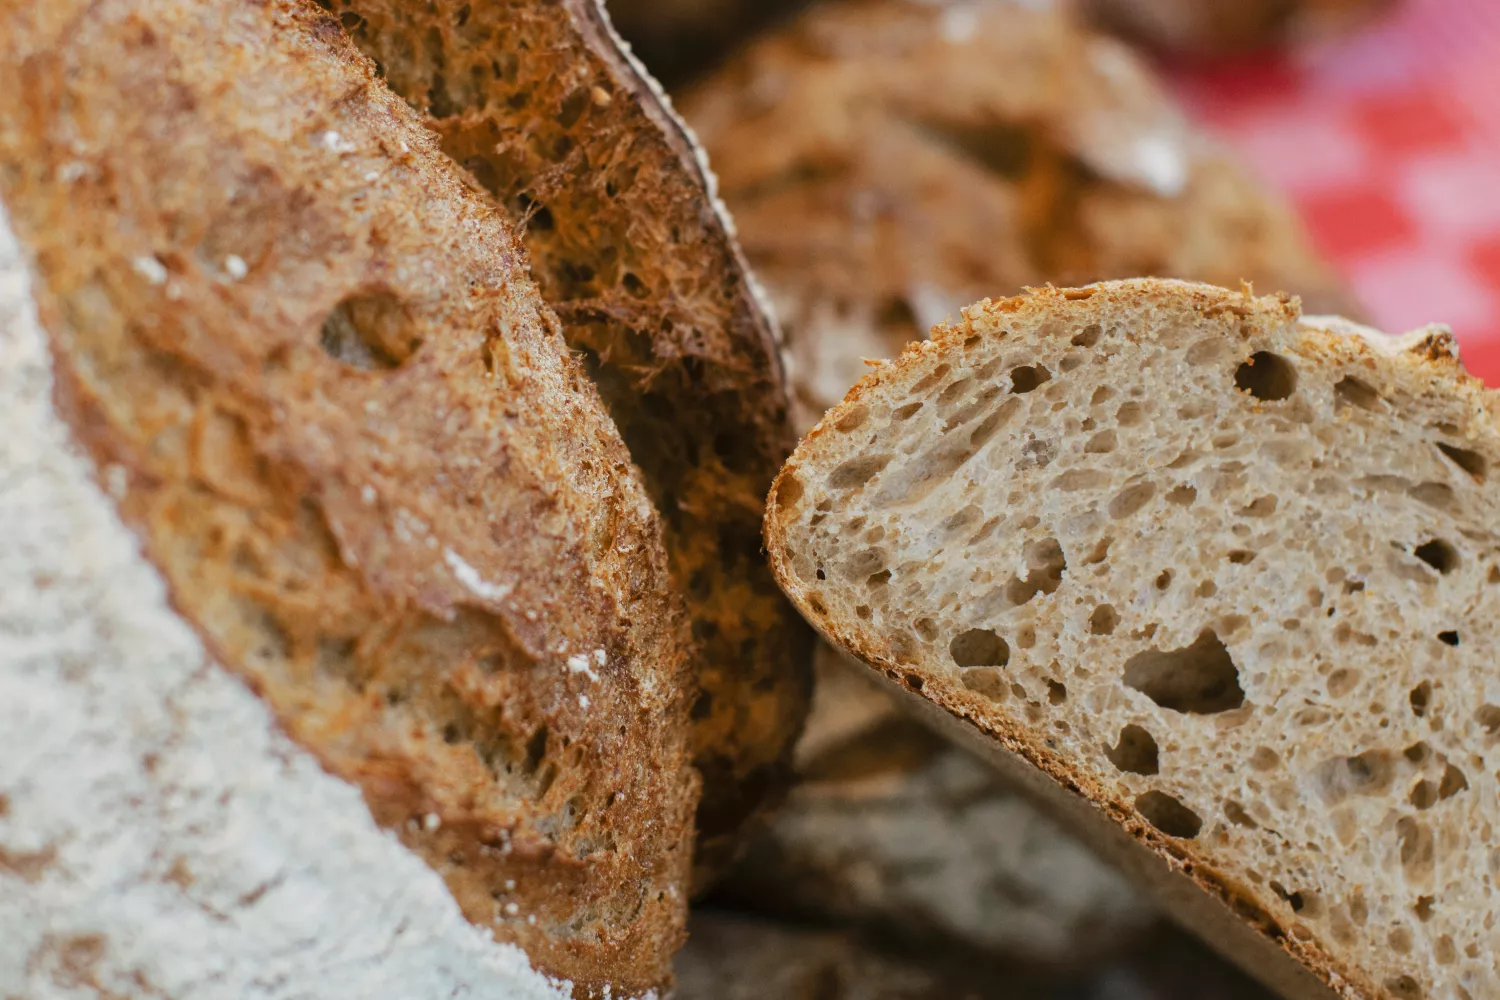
(1229, 26)
(320, 386)
(893, 830)
(1216, 581)
(613, 203)
(888, 161)
(158, 830)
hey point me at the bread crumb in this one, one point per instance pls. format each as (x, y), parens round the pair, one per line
(583, 701)
(431, 822)
(579, 664)
(235, 267)
(335, 143)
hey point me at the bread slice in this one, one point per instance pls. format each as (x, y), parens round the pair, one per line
(893, 830)
(1222, 576)
(888, 162)
(159, 834)
(321, 387)
(1230, 26)
(627, 244)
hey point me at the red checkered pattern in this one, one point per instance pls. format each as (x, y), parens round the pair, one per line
(1389, 143)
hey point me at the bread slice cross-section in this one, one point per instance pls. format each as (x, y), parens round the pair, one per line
(1218, 581)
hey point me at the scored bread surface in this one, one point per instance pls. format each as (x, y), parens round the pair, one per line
(321, 387)
(538, 103)
(1226, 572)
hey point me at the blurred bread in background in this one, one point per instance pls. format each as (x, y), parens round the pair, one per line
(895, 831)
(1213, 27)
(887, 161)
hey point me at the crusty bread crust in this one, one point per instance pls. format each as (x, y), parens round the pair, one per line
(615, 206)
(1253, 924)
(325, 392)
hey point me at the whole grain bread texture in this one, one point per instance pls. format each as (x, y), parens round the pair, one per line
(321, 387)
(1227, 27)
(894, 831)
(889, 161)
(1217, 581)
(627, 244)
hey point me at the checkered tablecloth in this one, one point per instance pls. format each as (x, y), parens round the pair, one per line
(1389, 143)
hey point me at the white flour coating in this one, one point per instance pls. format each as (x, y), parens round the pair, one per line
(159, 836)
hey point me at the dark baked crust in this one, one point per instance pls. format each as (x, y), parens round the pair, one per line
(539, 105)
(327, 395)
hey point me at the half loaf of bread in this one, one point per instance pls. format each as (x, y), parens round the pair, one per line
(614, 205)
(318, 384)
(1218, 582)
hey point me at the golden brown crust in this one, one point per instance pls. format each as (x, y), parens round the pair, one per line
(541, 108)
(1424, 351)
(888, 162)
(324, 391)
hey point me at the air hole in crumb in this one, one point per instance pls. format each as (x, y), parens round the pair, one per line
(1168, 815)
(1438, 554)
(1265, 759)
(862, 612)
(1025, 378)
(1046, 564)
(1420, 697)
(1403, 988)
(788, 491)
(1418, 752)
(1101, 443)
(1237, 815)
(817, 607)
(1423, 795)
(1129, 414)
(1131, 499)
(1453, 782)
(1365, 774)
(1200, 679)
(1416, 847)
(904, 412)
(371, 332)
(1136, 752)
(914, 682)
(1488, 717)
(1103, 394)
(927, 629)
(1450, 637)
(979, 647)
(931, 379)
(1088, 336)
(1103, 620)
(1350, 391)
(1423, 908)
(1471, 462)
(1026, 637)
(857, 471)
(1266, 376)
(1261, 507)
(1056, 693)
(1241, 556)
(1164, 579)
(1182, 496)
(820, 574)
(853, 419)
(879, 579)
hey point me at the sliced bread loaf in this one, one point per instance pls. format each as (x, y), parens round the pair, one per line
(613, 202)
(320, 386)
(1217, 582)
(889, 161)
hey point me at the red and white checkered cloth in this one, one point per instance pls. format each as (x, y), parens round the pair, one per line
(1389, 143)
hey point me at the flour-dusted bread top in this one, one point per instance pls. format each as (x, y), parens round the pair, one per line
(159, 834)
(894, 830)
(615, 206)
(320, 386)
(1227, 573)
(889, 161)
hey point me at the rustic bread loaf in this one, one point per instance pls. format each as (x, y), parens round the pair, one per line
(1223, 576)
(629, 248)
(1219, 28)
(892, 829)
(159, 834)
(322, 389)
(889, 161)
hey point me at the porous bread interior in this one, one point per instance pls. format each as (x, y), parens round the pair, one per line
(1230, 575)
(625, 245)
(330, 400)
(890, 161)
